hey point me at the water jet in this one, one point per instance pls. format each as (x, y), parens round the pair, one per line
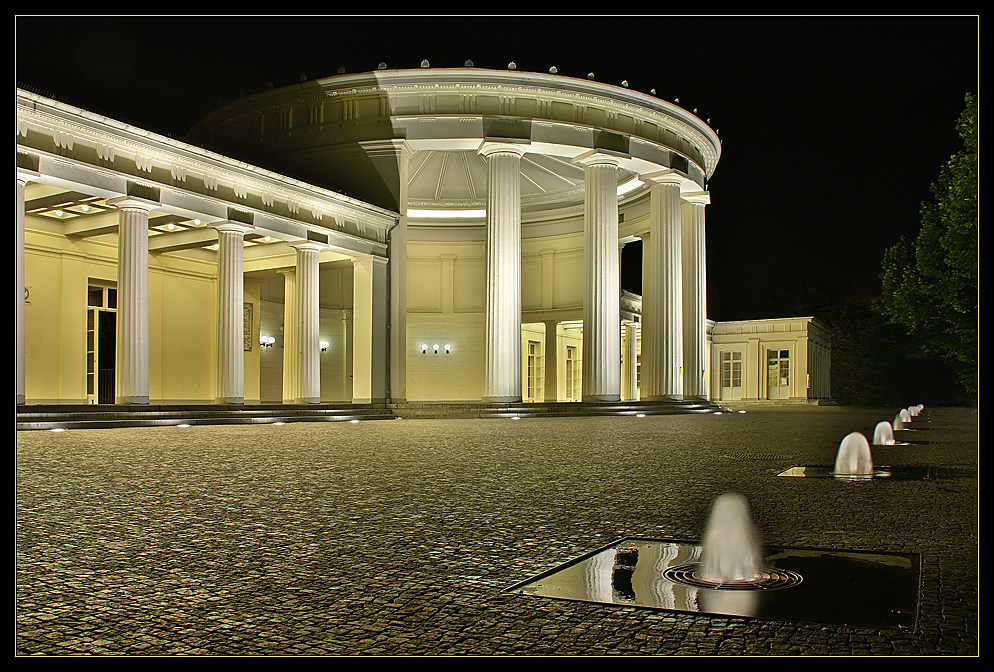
(853, 459)
(883, 434)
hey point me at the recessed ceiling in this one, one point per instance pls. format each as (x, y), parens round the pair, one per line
(458, 179)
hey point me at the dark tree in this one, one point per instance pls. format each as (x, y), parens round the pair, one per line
(930, 284)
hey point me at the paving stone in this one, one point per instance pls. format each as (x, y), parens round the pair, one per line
(387, 538)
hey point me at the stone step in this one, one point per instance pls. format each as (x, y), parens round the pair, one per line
(108, 416)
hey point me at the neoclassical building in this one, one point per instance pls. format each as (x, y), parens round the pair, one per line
(429, 234)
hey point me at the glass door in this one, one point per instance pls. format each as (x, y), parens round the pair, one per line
(778, 374)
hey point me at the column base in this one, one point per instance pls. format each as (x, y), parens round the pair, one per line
(132, 400)
(364, 400)
(601, 397)
(230, 400)
(308, 400)
(501, 400)
(663, 397)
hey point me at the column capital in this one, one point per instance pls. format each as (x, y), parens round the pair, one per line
(665, 176)
(233, 227)
(307, 246)
(697, 197)
(488, 147)
(598, 157)
(133, 203)
(364, 258)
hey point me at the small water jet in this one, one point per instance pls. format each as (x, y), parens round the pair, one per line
(898, 423)
(883, 434)
(730, 550)
(905, 415)
(853, 459)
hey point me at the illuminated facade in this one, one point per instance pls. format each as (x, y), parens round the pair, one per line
(475, 257)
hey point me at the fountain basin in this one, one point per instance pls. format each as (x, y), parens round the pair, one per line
(880, 472)
(835, 587)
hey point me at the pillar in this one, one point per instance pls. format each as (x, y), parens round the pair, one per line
(19, 355)
(308, 339)
(551, 361)
(347, 353)
(370, 346)
(502, 347)
(602, 280)
(629, 374)
(291, 352)
(662, 292)
(694, 295)
(230, 313)
(132, 361)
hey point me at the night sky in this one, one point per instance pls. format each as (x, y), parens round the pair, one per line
(833, 128)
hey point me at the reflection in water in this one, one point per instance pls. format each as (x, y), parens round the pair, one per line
(879, 589)
(732, 602)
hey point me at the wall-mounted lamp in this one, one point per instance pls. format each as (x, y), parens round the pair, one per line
(448, 348)
(325, 345)
(424, 348)
(435, 348)
(267, 341)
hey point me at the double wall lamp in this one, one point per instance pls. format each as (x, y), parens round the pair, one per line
(268, 341)
(424, 348)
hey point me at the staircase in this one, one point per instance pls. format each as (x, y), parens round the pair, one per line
(103, 416)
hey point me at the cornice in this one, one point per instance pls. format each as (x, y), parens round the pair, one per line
(467, 82)
(68, 125)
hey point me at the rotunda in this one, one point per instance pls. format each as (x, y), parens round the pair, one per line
(514, 193)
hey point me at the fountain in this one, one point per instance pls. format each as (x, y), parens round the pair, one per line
(730, 551)
(883, 434)
(905, 415)
(853, 459)
(729, 573)
(898, 423)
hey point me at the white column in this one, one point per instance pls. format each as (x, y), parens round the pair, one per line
(602, 281)
(132, 361)
(347, 361)
(230, 313)
(551, 361)
(308, 339)
(369, 323)
(694, 295)
(629, 376)
(398, 285)
(19, 384)
(662, 292)
(291, 352)
(502, 359)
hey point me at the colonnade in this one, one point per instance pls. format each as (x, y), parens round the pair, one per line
(302, 347)
(674, 303)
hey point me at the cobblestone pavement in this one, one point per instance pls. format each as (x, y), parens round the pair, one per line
(400, 537)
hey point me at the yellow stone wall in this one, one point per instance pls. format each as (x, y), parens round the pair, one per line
(182, 317)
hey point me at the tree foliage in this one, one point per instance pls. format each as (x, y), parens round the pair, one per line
(930, 284)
